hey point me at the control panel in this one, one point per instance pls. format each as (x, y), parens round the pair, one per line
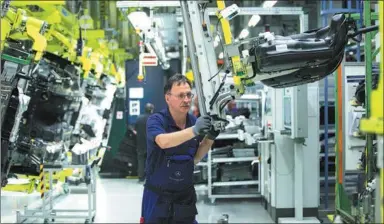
(295, 112)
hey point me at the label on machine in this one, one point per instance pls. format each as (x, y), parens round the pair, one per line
(149, 59)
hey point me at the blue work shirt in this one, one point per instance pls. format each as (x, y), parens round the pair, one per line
(161, 123)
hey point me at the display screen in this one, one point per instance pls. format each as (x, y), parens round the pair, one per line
(287, 112)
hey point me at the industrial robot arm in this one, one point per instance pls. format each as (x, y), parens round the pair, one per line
(150, 36)
(276, 61)
(286, 61)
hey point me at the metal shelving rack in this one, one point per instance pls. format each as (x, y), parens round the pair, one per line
(212, 184)
(251, 97)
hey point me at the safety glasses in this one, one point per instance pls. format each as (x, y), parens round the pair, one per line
(182, 96)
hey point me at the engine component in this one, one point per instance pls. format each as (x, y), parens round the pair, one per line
(56, 98)
(310, 56)
(14, 75)
(45, 132)
(235, 172)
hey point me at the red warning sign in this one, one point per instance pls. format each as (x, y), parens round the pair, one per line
(149, 59)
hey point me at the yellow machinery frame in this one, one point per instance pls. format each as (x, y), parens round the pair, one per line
(65, 29)
(64, 26)
(238, 68)
(17, 21)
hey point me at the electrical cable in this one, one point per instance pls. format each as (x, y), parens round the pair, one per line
(218, 90)
(222, 48)
(224, 105)
(203, 8)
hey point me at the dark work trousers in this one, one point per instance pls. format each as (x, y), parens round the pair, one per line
(141, 157)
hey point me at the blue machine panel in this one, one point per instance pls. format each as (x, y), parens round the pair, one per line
(152, 85)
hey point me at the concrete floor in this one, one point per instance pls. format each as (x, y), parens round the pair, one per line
(119, 201)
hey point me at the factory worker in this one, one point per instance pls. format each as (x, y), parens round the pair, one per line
(176, 141)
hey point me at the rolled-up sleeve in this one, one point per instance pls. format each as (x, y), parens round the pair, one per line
(155, 127)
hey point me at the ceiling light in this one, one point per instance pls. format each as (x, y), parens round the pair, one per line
(254, 20)
(243, 34)
(269, 4)
(151, 4)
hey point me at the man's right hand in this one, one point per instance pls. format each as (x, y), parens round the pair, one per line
(202, 126)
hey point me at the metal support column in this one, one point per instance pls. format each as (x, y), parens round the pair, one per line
(184, 60)
(359, 6)
(374, 124)
(203, 57)
(192, 53)
(380, 159)
(368, 85)
(204, 66)
(298, 185)
(326, 10)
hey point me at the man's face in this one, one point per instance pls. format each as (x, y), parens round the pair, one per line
(179, 98)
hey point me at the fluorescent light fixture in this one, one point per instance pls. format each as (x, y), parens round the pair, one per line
(269, 4)
(243, 34)
(221, 55)
(140, 20)
(148, 4)
(254, 20)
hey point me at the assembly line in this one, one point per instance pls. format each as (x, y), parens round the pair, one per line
(225, 111)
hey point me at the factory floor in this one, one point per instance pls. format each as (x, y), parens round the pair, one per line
(119, 201)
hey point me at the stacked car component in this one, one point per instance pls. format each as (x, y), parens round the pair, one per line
(57, 86)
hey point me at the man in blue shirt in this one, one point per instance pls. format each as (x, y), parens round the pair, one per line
(176, 141)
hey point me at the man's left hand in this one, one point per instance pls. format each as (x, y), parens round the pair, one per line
(212, 133)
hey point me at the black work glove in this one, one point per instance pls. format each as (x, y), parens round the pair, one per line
(202, 125)
(212, 133)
